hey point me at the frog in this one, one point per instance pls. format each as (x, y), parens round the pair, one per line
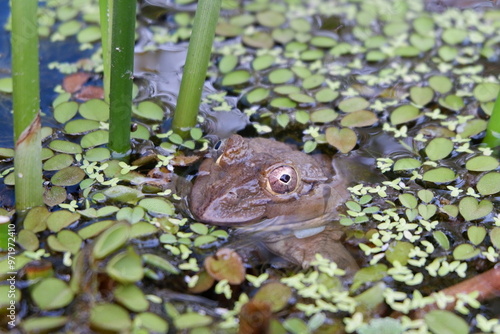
(289, 199)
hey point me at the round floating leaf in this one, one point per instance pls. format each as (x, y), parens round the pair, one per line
(310, 55)
(301, 116)
(280, 76)
(79, 126)
(407, 51)
(65, 111)
(65, 147)
(69, 28)
(313, 81)
(58, 161)
(323, 115)
(6, 153)
(375, 55)
(97, 154)
(263, 62)
(404, 114)
(440, 84)
(125, 267)
(149, 110)
(423, 25)
(447, 53)
(323, 42)
(495, 237)
(446, 322)
(342, 139)
(228, 63)
(27, 240)
(301, 98)
(372, 273)
(326, 95)
(476, 234)
(452, 102)
(111, 240)
(96, 138)
(61, 219)
(408, 200)
(482, 163)
(300, 25)
(89, 34)
(151, 322)
(421, 95)
(48, 324)
(283, 36)
(399, 251)
(257, 95)
(450, 210)
(422, 43)
(71, 241)
(442, 239)
(472, 128)
(439, 175)
(123, 194)
(36, 219)
(427, 210)
(236, 78)
(226, 264)
(157, 205)
(296, 47)
(6, 85)
(489, 184)
(283, 120)
(131, 297)
(227, 29)
(353, 104)
(160, 263)
(110, 317)
(471, 209)
(439, 148)
(283, 103)
(286, 89)
(270, 18)
(406, 164)
(465, 252)
(51, 293)
(486, 91)
(454, 35)
(425, 195)
(191, 320)
(259, 40)
(68, 176)
(94, 229)
(275, 294)
(54, 195)
(396, 28)
(96, 110)
(359, 118)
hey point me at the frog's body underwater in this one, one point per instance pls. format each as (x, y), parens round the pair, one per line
(284, 196)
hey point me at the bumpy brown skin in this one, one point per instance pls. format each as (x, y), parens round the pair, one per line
(267, 187)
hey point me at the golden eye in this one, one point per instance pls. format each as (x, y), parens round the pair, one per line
(282, 180)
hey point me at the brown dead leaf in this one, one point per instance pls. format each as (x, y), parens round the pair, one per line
(226, 264)
(90, 92)
(74, 82)
(255, 317)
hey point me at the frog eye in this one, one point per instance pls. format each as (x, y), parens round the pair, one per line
(282, 179)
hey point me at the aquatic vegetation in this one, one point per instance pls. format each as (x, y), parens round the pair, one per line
(331, 78)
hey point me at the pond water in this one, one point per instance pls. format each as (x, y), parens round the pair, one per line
(405, 88)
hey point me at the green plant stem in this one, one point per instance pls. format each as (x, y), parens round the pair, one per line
(26, 105)
(122, 66)
(195, 69)
(105, 17)
(492, 138)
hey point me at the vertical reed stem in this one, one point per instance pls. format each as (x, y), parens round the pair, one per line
(195, 70)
